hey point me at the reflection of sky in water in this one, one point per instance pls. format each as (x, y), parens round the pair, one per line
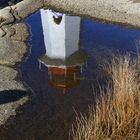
(97, 39)
(110, 36)
(50, 115)
(93, 34)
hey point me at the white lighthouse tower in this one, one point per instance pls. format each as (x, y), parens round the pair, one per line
(61, 34)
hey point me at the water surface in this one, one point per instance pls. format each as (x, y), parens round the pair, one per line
(52, 110)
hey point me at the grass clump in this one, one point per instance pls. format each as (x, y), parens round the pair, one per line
(116, 114)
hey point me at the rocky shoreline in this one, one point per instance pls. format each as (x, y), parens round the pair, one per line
(13, 47)
(14, 37)
(120, 12)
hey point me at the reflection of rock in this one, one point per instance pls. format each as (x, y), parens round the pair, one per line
(12, 50)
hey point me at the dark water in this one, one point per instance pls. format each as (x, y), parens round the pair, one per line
(50, 114)
(4, 3)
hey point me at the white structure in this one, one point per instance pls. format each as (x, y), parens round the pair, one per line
(61, 40)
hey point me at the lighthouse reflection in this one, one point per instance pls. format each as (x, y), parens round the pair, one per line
(64, 74)
(64, 57)
(63, 78)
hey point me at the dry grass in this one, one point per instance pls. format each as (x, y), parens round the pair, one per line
(116, 115)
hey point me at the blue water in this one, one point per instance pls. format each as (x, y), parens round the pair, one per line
(97, 39)
(50, 114)
(94, 34)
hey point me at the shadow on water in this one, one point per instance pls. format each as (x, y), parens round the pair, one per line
(50, 114)
(11, 96)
